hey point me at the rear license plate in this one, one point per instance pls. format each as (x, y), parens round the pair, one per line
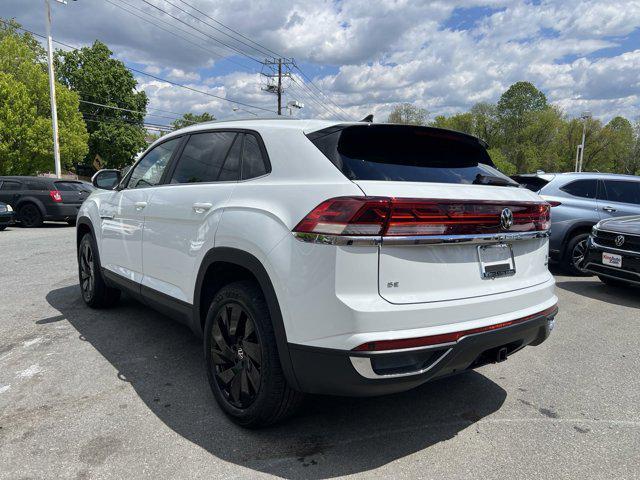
(496, 261)
(611, 259)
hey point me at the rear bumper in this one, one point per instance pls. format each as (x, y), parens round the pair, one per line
(340, 372)
(629, 272)
(61, 212)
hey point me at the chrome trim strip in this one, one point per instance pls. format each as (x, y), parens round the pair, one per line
(614, 249)
(365, 353)
(340, 240)
(363, 366)
(418, 240)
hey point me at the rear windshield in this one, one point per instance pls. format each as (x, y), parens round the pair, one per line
(405, 153)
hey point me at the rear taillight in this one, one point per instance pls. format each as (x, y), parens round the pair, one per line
(409, 217)
(55, 196)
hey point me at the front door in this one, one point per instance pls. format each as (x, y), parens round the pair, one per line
(620, 198)
(122, 213)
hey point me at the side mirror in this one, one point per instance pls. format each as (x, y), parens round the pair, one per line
(106, 179)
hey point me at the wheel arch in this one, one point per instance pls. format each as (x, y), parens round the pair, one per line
(222, 265)
(22, 201)
(576, 229)
(83, 226)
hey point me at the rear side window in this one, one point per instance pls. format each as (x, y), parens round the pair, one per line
(581, 188)
(11, 185)
(403, 153)
(204, 158)
(623, 192)
(35, 186)
(69, 186)
(253, 162)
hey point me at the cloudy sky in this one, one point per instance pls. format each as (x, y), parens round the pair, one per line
(365, 55)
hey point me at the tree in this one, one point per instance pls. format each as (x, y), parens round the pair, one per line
(115, 134)
(408, 114)
(520, 99)
(26, 145)
(191, 119)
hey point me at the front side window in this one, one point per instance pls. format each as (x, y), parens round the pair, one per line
(207, 157)
(581, 188)
(149, 170)
(622, 191)
(11, 185)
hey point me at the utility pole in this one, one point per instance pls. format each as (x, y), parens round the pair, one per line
(279, 86)
(52, 91)
(277, 68)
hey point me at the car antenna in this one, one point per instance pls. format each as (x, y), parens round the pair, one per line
(368, 118)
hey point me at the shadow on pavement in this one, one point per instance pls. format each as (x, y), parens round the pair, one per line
(595, 289)
(331, 436)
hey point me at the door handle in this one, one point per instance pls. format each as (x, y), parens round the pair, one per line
(140, 206)
(609, 209)
(201, 207)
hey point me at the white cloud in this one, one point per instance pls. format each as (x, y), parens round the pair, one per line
(385, 51)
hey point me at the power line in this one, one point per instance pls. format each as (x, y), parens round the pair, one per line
(270, 52)
(236, 102)
(318, 101)
(213, 27)
(319, 90)
(133, 111)
(212, 52)
(237, 50)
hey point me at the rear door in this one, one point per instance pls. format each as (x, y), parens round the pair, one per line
(449, 198)
(183, 215)
(621, 198)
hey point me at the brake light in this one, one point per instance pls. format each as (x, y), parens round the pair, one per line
(409, 217)
(55, 196)
(382, 345)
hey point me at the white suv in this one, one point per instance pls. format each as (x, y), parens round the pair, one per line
(323, 257)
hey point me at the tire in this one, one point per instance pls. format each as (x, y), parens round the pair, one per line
(2, 227)
(613, 282)
(94, 290)
(243, 366)
(30, 215)
(574, 254)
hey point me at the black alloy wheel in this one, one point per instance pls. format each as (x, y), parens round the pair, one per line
(87, 271)
(577, 255)
(236, 354)
(30, 216)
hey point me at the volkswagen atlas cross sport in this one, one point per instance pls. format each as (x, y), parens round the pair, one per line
(323, 257)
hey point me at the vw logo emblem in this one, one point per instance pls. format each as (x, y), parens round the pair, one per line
(506, 219)
(619, 241)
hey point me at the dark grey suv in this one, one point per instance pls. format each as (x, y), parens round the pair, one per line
(37, 199)
(579, 201)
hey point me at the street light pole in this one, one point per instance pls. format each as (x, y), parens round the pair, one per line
(585, 116)
(52, 92)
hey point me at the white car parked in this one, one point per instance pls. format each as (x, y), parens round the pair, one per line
(323, 257)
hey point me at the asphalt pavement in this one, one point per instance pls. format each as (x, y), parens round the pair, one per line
(122, 393)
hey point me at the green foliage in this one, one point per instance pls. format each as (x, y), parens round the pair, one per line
(116, 135)
(26, 145)
(191, 119)
(408, 114)
(526, 134)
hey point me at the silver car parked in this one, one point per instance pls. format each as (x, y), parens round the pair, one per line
(579, 201)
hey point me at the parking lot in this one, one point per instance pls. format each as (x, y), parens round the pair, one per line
(122, 394)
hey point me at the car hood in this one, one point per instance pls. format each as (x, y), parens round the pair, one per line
(630, 225)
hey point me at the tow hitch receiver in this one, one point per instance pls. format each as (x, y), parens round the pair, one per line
(501, 355)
